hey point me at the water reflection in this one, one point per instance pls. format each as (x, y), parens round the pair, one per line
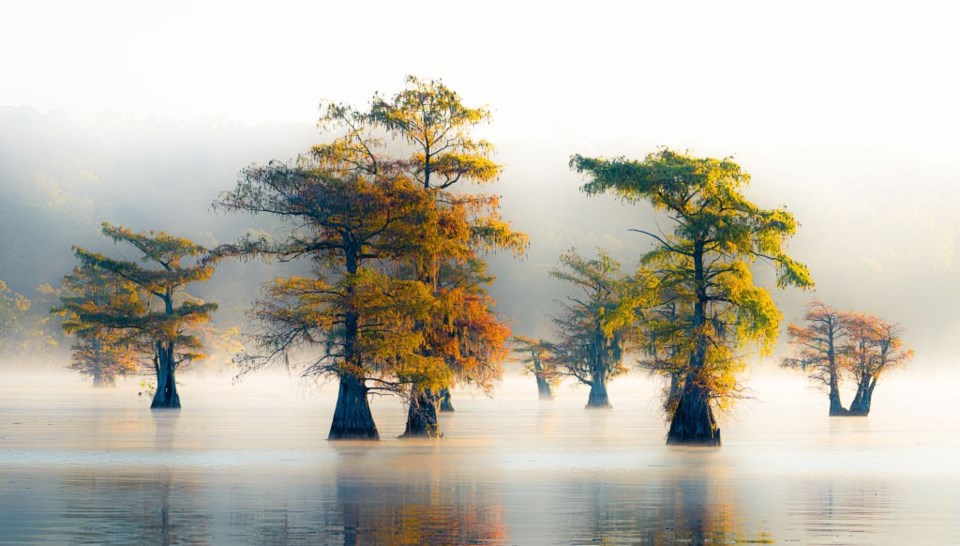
(542, 474)
(611, 512)
(165, 429)
(418, 502)
(342, 505)
(397, 514)
(160, 509)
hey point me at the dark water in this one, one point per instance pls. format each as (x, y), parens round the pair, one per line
(248, 464)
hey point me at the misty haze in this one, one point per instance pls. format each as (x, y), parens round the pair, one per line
(585, 274)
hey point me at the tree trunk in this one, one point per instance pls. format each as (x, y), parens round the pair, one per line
(861, 404)
(352, 419)
(836, 407)
(868, 398)
(673, 394)
(422, 416)
(598, 373)
(543, 387)
(166, 396)
(445, 403)
(693, 423)
(101, 380)
(598, 394)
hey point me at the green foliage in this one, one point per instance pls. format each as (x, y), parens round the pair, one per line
(375, 210)
(431, 118)
(26, 329)
(431, 145)
(702, 195)
(359, 228)
(595, 325)
(101, 352)
(14, 308)
(331, 215)
(713, 312)
(315, 311)
(162, 280)
(538, 360)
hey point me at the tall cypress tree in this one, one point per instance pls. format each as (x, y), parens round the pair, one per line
(169, 264)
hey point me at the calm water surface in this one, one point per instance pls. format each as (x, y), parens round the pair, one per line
(248, 464)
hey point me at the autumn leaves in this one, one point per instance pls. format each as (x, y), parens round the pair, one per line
(396, 295)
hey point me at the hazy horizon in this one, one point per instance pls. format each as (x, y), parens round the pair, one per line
(845, 114)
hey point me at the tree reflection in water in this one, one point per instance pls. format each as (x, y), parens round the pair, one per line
(678, 510)
(421, 507)
(161, 508)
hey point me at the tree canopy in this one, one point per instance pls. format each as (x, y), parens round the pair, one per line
(172, 263)
(535, 354)
(596, 323)
(360, 227)
(419, 137)
(820, 350)
(705, 262)
(99, 351)
(833, 346)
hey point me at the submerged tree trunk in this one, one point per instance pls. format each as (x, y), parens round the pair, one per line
(166, 396)
(352, 419)
(693, 423)
(598, 373)
(543, 387)
(598, 394)
(422, 416)
(445, 401)
(102, 380)
(860, 407)
(836, 407)
(100, 377)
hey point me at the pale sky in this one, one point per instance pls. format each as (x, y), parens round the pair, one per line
(846, 112)
(728, 75)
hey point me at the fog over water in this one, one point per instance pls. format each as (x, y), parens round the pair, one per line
(142, 113)
(250, 464)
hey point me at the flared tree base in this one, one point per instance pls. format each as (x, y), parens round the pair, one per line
(422, 419)
(693, 423)
(446, 402)
(352, 419)
(543, 388)
(166, 396)
(166, 403)
(598, 398)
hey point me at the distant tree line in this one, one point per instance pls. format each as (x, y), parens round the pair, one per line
(26, 326)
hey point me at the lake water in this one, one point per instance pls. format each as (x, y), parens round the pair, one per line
(249, 464)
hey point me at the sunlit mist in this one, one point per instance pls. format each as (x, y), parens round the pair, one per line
(479, 273)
